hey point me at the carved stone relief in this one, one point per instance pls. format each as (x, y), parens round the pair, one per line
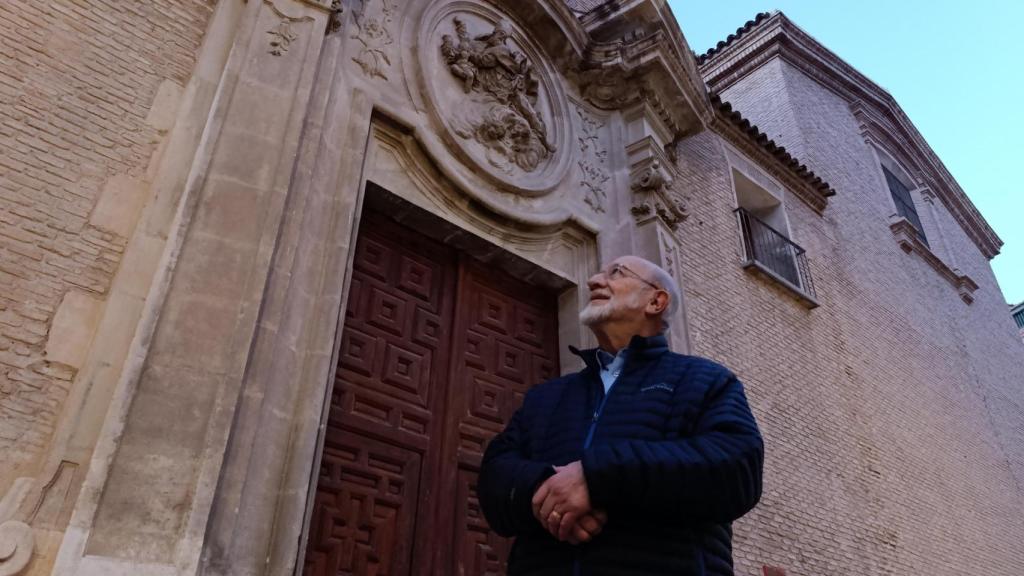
(593, 161)
(373, 23)
(502, 88)
(337, 10)
(281, 37)
(498, 100)
(653, 197)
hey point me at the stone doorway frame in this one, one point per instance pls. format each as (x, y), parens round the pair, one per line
(560, 256)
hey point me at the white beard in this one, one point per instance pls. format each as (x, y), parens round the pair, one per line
(613, 309)
(597, 313)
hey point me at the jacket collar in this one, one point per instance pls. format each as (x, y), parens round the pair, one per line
(639, 348)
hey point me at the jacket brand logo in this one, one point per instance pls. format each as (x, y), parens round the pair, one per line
(659, 386)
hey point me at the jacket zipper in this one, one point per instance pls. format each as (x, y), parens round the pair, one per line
(596, 417)
(577, 567)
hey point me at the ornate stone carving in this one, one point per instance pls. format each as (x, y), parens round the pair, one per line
(593, 158)
(496, 100)
(334, 23)
(281, 37)
(607, 88)
(375, 37)
(502, 88)
(653, 196)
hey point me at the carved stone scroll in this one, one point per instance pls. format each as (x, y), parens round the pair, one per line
(653, 197)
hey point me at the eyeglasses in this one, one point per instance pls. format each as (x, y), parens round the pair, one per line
(618, 271)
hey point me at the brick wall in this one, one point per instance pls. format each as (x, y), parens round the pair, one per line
(77, 81)
(891, 413)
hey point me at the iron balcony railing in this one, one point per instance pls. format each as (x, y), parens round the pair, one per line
(767, 247)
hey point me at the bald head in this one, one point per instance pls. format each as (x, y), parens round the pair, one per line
(656, 275)
(630, 296)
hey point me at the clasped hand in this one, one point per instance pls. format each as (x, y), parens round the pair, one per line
(562, 506)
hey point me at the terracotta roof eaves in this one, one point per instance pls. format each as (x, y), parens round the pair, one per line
(815, 191)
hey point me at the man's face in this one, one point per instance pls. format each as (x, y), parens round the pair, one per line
(619, 292)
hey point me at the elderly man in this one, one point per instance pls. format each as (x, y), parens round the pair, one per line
(635, 465)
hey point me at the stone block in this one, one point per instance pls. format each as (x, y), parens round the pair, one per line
(119, 205)
(73, 328)
(165, 106)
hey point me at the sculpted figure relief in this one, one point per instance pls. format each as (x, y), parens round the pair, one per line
(502, 86)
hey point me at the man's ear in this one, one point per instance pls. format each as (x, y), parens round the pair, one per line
(658, 303)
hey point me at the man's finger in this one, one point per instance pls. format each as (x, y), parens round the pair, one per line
(591, 524)
(554, 521)
(565, 529)
(538, 499)
(580, 535)
(546, 507)
(600, 515)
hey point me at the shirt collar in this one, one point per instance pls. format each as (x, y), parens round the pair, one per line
(639, 347)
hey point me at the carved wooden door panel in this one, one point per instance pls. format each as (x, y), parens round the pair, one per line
(506, 341)
(420, 387)
(381, 430)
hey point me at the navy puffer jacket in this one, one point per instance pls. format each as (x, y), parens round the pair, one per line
(673, 454)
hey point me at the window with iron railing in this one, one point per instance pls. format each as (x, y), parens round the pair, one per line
(1018, 317)
(769, 249)
(904, 202)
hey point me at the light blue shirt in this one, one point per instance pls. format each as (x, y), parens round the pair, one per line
(611, 367)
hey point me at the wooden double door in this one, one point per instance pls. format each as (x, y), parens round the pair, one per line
(437, 352)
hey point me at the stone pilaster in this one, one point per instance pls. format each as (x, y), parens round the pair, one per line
(146, 501)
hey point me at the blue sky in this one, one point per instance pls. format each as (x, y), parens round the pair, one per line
(956, 68)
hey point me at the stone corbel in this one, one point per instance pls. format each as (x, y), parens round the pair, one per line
(652, 196)
(16, 538)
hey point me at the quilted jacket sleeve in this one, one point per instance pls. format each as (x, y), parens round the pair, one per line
(508, 480)
(713, 475)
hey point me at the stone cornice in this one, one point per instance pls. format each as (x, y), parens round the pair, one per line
(637, 53)
(874, 107)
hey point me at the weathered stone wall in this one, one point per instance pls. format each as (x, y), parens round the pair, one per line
(891, 413)
(86, 92)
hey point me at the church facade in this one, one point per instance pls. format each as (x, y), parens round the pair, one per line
(274, 271)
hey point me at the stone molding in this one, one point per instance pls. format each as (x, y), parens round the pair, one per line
(642, 41)
(642, 67)
(908, 241)
(872, 106)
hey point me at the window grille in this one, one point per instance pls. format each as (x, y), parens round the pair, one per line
(770, 248)
(904, 202)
